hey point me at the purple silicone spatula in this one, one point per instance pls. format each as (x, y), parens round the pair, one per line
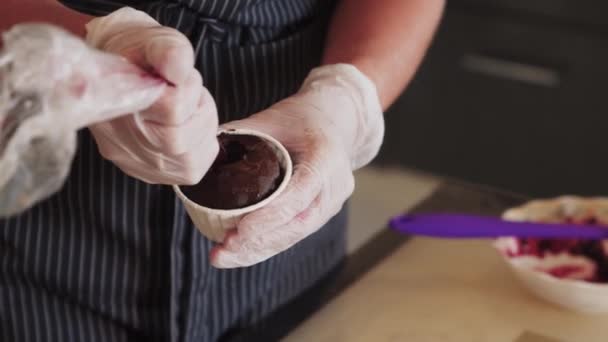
(471, 226)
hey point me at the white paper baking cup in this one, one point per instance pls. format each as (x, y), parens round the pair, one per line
(576, 295)
(215, 223)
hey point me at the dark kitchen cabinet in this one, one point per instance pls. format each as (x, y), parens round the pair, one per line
(511, 97)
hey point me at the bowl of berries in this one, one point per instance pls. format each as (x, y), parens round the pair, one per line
(571, 273)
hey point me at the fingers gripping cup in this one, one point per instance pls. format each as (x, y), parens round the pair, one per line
(250, 171)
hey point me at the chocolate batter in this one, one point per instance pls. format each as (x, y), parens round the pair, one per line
(245, 172)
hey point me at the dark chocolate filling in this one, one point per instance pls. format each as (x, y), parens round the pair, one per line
(246, 171)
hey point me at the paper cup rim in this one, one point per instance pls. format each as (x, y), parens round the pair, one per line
(288, 169)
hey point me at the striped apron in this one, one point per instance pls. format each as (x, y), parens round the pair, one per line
(110, 258)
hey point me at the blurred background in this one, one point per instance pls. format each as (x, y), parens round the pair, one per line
(511, 95)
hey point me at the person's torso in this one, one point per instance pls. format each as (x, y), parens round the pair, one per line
(110, 246)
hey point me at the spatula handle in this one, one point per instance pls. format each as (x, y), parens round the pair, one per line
(470, 226)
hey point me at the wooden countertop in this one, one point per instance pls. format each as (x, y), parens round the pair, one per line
(448, 291)
(396, 288)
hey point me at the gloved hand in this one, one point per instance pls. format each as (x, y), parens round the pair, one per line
(51, 85)
(331, 127)
(174, 141)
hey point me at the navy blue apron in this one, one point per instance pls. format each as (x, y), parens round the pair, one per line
(110, 258)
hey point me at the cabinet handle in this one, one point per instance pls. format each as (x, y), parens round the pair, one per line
(502, 68)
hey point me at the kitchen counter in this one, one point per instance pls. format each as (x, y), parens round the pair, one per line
(437, 290)
(398, 288)
(447, 290)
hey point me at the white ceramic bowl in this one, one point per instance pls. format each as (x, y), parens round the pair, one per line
(574, 294)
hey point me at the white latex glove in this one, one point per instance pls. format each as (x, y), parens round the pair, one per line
(51, 85)
(174, 141)
(331, 127)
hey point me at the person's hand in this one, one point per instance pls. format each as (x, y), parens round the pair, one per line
(175, 140)
(331, 127)
(52, 85)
